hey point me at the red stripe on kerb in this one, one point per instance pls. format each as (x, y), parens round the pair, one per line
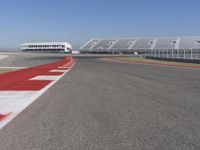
(29, 85)
(3, 116)
(20, 79)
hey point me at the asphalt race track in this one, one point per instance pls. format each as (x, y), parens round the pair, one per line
(109, 105)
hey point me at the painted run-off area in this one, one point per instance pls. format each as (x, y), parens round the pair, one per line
(20, 88)
(4, 70)
(2, 56)
(151, 61)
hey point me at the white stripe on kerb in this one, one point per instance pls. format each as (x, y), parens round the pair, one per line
(58, 70)
(63, 67)
(51, 78)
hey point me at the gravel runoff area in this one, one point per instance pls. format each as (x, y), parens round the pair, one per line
(2, 56)
(3, 70)
(28, 59)
(14, 61)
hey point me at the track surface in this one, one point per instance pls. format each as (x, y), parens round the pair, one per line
(110, 105)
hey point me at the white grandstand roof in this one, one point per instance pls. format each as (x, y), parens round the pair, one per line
(45, 43)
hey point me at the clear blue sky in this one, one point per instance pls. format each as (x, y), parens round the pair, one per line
(77, 21)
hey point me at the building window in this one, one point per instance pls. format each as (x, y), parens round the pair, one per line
(173, 42)
(93, 43)
(130, 42)
(198, 42)
(151, 42)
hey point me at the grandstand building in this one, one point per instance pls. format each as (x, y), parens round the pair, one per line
(169, 47)
(57, 47)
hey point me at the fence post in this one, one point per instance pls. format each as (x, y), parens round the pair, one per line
(167, 54)
(178, 53)
(184, 54)
(191, 54)
(159, 53)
